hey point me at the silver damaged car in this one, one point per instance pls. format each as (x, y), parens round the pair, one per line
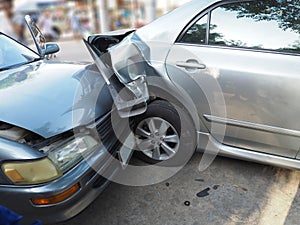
(221, 76)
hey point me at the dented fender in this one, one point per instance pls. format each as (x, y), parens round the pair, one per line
(122, 62)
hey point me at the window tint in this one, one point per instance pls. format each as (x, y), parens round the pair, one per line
(196, 34)
(272, 25)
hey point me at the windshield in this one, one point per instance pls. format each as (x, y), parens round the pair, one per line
(14, 54)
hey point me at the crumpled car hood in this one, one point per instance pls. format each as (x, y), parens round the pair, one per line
(51, 98)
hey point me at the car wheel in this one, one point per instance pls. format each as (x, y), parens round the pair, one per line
(164, 134)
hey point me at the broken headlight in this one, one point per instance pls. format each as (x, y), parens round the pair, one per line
(68, 154)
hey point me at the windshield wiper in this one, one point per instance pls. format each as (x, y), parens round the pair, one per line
(20, 64)
(4, 68)
(35, 60)
(31, 59)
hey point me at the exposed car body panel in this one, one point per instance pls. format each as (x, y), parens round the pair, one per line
(128, 90)
(36, 86)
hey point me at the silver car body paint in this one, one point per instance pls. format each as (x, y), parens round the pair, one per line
(260, 88)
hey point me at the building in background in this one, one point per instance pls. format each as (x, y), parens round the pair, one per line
(135, 13)
(97, 16)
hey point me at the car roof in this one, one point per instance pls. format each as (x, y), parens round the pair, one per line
(168, 27)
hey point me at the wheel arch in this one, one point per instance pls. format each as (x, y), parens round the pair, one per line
(169, 92)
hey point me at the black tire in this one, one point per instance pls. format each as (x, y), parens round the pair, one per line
(173, 119)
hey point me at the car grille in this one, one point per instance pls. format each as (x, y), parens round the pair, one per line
(108, 137)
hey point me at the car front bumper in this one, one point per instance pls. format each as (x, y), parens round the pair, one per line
(91, 175)
(89, 178)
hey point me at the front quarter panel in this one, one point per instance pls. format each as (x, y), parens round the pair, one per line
(11, 151)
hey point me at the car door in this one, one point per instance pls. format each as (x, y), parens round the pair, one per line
(252, 50)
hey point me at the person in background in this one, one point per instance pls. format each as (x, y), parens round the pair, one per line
(75, 25)
(46, 25)
(11, 23)
(119, 23)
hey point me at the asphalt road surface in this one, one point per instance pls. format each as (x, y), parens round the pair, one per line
(228, 192)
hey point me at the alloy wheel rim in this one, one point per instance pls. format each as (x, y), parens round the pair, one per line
(157, 138)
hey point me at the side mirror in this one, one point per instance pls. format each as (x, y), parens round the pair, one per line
(51, 48)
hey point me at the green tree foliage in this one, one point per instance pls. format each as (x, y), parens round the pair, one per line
(285, 12)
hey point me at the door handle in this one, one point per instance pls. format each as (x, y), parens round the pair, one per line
(191, 65)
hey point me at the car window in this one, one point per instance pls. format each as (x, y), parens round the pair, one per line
(196, 34)
(271, 25)
(13, 53)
